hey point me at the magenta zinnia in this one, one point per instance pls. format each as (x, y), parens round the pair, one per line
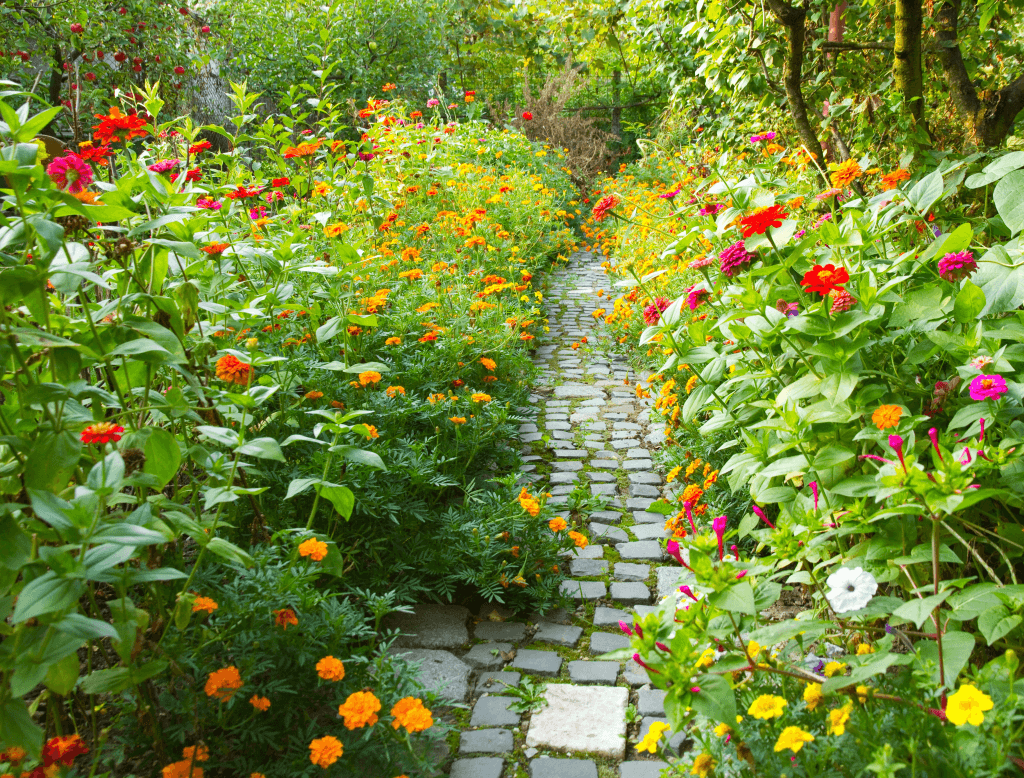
(695, 297)
(652, 313)
(988, 387)
(735, 258)
(958, 266)
(71, 173)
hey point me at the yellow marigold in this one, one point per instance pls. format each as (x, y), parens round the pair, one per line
(650, 740)
(723, 729)
(204, 604)
(359, 710)
(480, 397)
(409, 712)
(692, 494)
(529, 503)
(393, 391)
(557, 524)
(673, 474)
(223, 683)
(886, 416)
(690, 383)
(792, 738)
(489, 364)
(703, 764)
(578, 539)
(330, 669)
(865, 648)
(369, 377)
(313, 548)
(767, 706)
(813, 696)
(845, 173)
(325, 751)
(599, 313)
(710, 480)
(426, 307)
(259, 703)
(457, 419)
(831, 668)
(393, 342)
(967, 706)
(837, 719)
(412, 275)
(862, 693)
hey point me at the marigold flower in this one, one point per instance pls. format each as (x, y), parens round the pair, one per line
(845, 173)
(222, 684)
(967, 706)
(793, 738)
(457, 419)
(184, 768)
(529, 503)
(371, 432)
(480, 397)
(891, 180)
(313, 394)
(580, 540)
(599, 313)
(63, 750)
(557, 524)
(284, 617)
(330, 669)
(886, 416)
(369, 377)
(233, 371)
(393, 341)
(204, 604)
(101, 433)
(703, 764)
(394, 391)
(673, 474)
(359, 710)
(987, 387)
(325, 751)
(654, 734)
(692, 494)
(489, 364)
(824, 279)
(813, 696)
(409, 712)
(837, 719)
(313, 548)
(691, 382)
(767, 706)
(760, 220)
(262, 704)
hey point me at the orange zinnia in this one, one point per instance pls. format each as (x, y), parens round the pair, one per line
(886, 416)
(232, 370)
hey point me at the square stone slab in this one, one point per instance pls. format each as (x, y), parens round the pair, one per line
(588, 567)
(648, 517)
(494, 682)
(610, 617)
(500, 630)
(486, 741)
(651, 702)
(481, 767)
(628, 571)
(630, 593)
(584, 590)
(589, 719)
(565, 391)
(643, 478)
(650, 531)
(671, 577)
(486, 656)
(559, 634)
(440, 671)
(562, 768)
(534, 662)
(592, 551)
(431, 626)
(642, 769)
(641, 549)
(603, 642)
(493, 712)
(583, 672)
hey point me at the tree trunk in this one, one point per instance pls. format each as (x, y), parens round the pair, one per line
(990, 118)
(792, 18)
(907, 51)
(836, 25)
(617, 103)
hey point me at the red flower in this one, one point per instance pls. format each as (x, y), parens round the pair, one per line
(244, 193)
(280, 182)
(604, 205)
(196, 148)
(759, 222)
(192, 175)
(63, 750)
(114, 123)
(825, 279)
(284, 617)
(527, 116)
(102, 432)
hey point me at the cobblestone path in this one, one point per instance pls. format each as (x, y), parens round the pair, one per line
(590, 432)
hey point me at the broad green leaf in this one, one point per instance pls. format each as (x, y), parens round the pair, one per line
(918, 610)
(340, 497)
(1008, 197)
(163, 456)
(738, 598)
(970, 302)
(46, 594)
(361, 456)
(956, 651)
(62, 675)
(716, 699)
(263, 448)
(997, 623)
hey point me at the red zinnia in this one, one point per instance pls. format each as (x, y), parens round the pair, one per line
(604, 205)
(280, 181)
(102, 432)
(759, 221)
(824, 279)
(196, 148)
(527, 116)
(244, 193)
(114, 123)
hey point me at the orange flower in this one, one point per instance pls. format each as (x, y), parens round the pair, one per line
(325, 751)
(886, 416)
(204, 604)
(394, 391)
(359, 710)
(578, 539)
(302, 150)
(845, 173)
(259, 703)
(63, 750)
(223, 683)
(457, 419)
(114, 123)
(371, 432)
(215, 249)
(313, 548)
(529, 503)
(233, 371)
(393, 342)
(410, 713)
(890, 180)
(369, 377)
(692, 494)
(480, 397)
(489, 364)
(557, 524)
(330, 669)
(284, 617)
(313, 395)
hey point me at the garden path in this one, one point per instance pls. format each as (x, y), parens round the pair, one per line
(589, 434)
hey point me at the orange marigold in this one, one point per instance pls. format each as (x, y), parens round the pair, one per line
(330, 669)
(359, 710)
(369, 377)
(890, 180)
(204, 604)
(692, 494)
(480, 397)
(394, 391)
(232, 370)
(886, 416)
(578, 539)
(284, 617)
(489, 364)
(410, 713)
(313, 548)
(457, 419)
(223, 683)
(392, 341)
(259, 703)
(325, 751)
(529, 503)
(557, 524)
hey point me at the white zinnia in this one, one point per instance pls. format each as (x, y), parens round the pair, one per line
(850, 589)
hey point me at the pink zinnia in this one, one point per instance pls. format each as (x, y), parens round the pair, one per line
(71, 173)
(988, 387)
(842, 301)
(704, 261)
(431, 103)
(957, 267)
(711, 210)
(696, 297)
(652, 313)
(164, 165)
(790, 309)
(735, 258)
(209, 205)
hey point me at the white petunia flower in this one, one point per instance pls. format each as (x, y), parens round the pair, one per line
(850, 589)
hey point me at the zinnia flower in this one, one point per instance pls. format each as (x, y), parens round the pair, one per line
(958, 266)
(604, 205)
(313, 548)
(359, 710)
(409, 712)
(824, 279)
(987, 387)
(846, 173)
(233, 371)
(886, 416)
(325, 751)
(652, 313)
(842, 301)
(101, 433)
(850, 589)
(967, 706)
(696, 297)
(222, 684)
(760, 220)
(734, 258)
(63, 750)
(71, 173)
(330, 669)
(890, 180)
(164, 165)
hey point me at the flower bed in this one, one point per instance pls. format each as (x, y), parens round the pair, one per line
(836, 372)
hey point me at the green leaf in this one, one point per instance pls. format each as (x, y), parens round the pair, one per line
(46, 594)
(738, 598)
(957, 648)
(715, 700)
(110, 681)
(299, 485)
(340, 497)
(997, 623)
(1001, 281)
(363, 367)
(360, 456)
(263, 448)
(163, 456)
(363, 321)
(329, 329)
(878, 663)
(917, 610)
(970, 302)
(926, 191)
(832, 455)
(229, 551)
(16, 725)
(1008, 197)
(52, 460)
(62, 675)
(84, 628)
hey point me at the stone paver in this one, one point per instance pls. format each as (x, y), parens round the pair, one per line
(603, 642)
(588, 567)
(494, 682)
(559, 634)
(651, 702)
(644, 769)
(481, 767)
(584, 672)
(493, 712)
(431, 626)
(503, 631)
(534, 662)
(486, 741)
(610, 617)
(670, 578)
(563, 768)
(628, 571)
(630, 593)
(590, 719)
(641, 549)
(440, 671)
(584, 590)
(487, 656)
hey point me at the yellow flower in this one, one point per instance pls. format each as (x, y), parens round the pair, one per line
(845, 173)
(325, 751)
(813, 696)
(529, 503)
(837, 719)
(792, 738)
(480, 397)
(394, 391)
(723, 729)
(967, 706)
(691, 382)
(598, 313)
(707, 658)
(650, 741)
(313, 548)
(832, 668)
(702, 765)
(369, 377)
(865, 648)
(753, 649)
(862, 693)
(673, 474)
(767, 706)
(393, 342)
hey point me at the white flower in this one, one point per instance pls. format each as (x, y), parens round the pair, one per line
(850, 589)
(979, 363)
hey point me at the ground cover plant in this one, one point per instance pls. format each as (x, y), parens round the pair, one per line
(847, 359)
(254, 400)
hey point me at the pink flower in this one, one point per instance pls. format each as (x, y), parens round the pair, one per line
(672, 549)
(957, 267)
(432, 103)
(209, 205)
(71, 173)
(696, 297)
(626, 628)
(760, 515)
(933, 434)
(814, 490)
(704, 261)
(711, 210)
(790, 309)
(688, 592)
(979, 363)
(897, 444)
(164, 165)
(735, 258)
(718, 525)
(988, 387)
(670, 195)
(644, 665)
(652, 313)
